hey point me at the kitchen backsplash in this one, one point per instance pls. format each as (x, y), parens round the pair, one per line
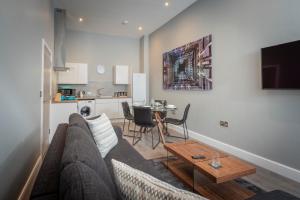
(92, 88)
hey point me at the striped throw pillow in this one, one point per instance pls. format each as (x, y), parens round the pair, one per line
(134, 184)
(104, 134)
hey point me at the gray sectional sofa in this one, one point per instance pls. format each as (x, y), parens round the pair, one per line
(74, 169)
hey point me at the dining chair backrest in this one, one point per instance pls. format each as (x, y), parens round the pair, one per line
(126, 109)
(186, 112)
(142, 116)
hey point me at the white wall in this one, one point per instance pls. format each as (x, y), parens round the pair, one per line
(263, 122)
(97, 49)
(23, 25)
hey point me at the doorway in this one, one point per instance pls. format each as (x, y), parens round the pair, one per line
(45, 96)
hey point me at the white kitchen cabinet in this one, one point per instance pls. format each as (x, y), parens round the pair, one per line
(111, 107)
(121, 75)
(60, 113)
(77, 74)
(107, 106)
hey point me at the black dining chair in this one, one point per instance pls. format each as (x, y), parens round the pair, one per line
(127, 116)
(143, 119)
(180, 122)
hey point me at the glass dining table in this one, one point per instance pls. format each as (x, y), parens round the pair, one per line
(157, 110)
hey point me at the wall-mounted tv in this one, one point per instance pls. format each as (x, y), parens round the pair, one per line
(281, 66)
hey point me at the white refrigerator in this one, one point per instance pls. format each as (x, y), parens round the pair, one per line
(139, 89)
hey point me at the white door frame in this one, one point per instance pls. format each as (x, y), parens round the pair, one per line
(44, 45)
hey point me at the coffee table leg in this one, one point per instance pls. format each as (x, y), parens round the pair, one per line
(193, 178)
(167, 159)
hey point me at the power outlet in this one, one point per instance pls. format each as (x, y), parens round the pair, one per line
(224, 124)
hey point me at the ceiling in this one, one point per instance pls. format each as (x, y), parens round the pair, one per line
(106, 16)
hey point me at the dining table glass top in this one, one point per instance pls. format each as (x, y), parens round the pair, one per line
(159, 108)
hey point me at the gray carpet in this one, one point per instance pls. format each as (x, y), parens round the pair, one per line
(167, 176)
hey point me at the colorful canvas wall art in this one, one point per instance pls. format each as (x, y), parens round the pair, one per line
(189, 67)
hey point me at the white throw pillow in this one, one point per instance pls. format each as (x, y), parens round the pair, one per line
(104, 134)
(135, 184)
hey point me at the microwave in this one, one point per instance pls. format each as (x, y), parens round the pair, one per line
(67, 91)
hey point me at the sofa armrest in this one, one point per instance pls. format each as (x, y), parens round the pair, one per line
(47, 182)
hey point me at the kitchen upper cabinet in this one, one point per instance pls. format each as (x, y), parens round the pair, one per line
(121, 75)
(77, 74)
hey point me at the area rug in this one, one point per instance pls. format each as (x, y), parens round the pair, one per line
(168, 177)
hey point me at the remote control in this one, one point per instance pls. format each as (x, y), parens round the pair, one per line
(198, 157)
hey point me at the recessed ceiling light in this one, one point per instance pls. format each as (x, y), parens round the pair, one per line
(125, 22)
(80, 19)
(167, 4)
(140, 28)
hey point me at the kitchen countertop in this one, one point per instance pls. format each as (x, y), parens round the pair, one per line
(71, 101)
(104, 97)
(88, 98)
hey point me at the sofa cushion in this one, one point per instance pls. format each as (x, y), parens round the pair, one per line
(78, 181)
(125, 153)
(80, 147)
(104, 134)
(47, 197)
(47, 182)
(77, 120)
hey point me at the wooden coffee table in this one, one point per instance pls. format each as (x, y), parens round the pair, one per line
(211, 183)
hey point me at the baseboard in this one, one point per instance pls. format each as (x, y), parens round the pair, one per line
(260, 161)
(25, 193)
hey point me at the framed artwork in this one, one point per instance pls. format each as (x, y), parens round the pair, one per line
(189, 67)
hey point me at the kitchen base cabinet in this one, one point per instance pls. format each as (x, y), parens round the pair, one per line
(111, 107)
(60, 113)
(108, 106)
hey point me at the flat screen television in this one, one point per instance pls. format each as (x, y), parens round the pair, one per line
(281, 66)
